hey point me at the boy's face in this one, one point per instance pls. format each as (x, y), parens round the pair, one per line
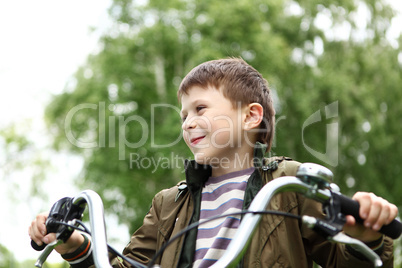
(212, 127)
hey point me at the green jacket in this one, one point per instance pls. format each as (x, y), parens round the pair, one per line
(278, 241)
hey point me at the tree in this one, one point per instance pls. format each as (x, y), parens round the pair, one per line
(21, 154)
(313, 54)
(6, 258)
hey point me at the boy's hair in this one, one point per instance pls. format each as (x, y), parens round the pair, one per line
(239, 82)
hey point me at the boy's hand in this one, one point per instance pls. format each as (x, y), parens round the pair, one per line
(37, 232)
(375, 211)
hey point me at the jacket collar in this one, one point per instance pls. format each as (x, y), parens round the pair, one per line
(196, 174)
(259, 152)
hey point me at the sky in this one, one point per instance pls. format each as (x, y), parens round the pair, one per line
(43, 43)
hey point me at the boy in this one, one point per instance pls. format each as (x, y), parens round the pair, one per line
(228, 124)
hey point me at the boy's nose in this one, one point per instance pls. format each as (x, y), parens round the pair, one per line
(188, 124)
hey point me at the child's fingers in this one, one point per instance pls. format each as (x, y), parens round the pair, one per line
(378, 214)
(37, 230)
(35, 234)
(350, 220)
(364, 200)
(393, 213)
(49, 238)
(374, 210)
(387, 214)
(41, 223)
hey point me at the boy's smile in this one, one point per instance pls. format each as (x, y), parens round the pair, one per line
(213, 128)
(194, 141)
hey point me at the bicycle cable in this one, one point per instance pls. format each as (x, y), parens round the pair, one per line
(134, 263)
(196, 224)
(110, 248)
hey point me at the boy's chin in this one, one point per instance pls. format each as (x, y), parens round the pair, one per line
(214, 162)
(200, 159)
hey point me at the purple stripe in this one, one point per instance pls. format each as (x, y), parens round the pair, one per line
(200, 253)
(229, 222)
(219, 243)
(211, 196)
(207, 263)
(232, 203)
(230, 175)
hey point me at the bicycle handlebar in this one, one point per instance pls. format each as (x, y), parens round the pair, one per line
(58, 212)
(311, 186)
(97, 222)
(351, 207)
(238, 245)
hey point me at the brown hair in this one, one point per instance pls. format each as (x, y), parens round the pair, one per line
(239, 82)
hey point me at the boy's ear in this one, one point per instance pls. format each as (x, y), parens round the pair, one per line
(254, 115)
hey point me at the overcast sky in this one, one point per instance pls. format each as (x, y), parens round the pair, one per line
(43, 43)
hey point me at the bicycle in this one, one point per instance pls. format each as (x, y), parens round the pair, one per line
(312, 180)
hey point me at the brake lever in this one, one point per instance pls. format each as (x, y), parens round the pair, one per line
(332, 233)
(61, 236)
(359, 246)
(46, 252)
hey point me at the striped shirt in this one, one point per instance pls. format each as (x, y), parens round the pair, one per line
(220, 195)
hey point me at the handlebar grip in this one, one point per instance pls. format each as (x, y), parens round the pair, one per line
(57, 212)
(37, 247)
(351, 207)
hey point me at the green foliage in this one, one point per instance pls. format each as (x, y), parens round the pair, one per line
(6, 258)
(309, 66)
(30, 263)
(20, 155)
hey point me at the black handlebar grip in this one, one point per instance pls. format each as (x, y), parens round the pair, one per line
(58, 211)
(351, 207)
(37, 247)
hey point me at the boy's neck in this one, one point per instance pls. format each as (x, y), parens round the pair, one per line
(239, 162)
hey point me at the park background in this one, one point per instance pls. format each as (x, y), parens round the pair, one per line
(335, 68)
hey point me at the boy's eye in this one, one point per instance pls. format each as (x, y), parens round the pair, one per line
(199, 108)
